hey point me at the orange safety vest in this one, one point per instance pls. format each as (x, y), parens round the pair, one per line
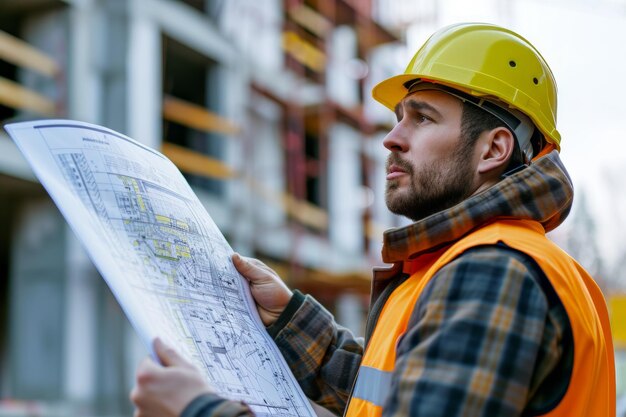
(591, 391)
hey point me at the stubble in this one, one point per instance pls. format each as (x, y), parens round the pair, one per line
(433, 187)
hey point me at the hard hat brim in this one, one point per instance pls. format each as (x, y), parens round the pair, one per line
(391, 91)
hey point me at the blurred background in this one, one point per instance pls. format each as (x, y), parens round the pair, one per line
(264, 105)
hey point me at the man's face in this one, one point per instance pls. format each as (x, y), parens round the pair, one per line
(430, 168)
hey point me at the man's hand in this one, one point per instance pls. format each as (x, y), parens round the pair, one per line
(269, 291)
(165, 391)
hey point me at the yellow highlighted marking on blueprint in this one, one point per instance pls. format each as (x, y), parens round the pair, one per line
(172, 231)
(183, 251)
(162, 219)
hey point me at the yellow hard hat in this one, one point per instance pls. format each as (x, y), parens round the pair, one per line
(486, 61)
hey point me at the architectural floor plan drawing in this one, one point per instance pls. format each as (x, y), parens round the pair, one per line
(162, 256)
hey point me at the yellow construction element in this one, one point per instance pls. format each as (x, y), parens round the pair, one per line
(310, 20)
(20, 53)
(16, 96)
(193, 162)
(305, 212)
(617, 311)
(197, 117)
(355, 280)
(304, 52)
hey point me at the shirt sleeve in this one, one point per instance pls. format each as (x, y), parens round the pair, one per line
(212, 405)
(323, 356)
(472, 341)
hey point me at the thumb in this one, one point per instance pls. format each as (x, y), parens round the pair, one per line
(168, 355)
(252, 269)
(244, 267)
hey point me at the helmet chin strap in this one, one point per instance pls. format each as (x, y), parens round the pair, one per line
(517, 122)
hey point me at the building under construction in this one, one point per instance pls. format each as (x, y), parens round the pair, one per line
(259, 103)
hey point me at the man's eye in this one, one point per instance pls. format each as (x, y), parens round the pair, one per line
(421, 118)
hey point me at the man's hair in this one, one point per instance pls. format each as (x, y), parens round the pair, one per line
(475, 121)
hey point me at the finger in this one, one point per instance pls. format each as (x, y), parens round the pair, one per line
(255, 262)
(243, 260)
(147, 365)
(262, 266)
(252, 262)
(248, 268)
(256, 271)
(168, 355)
(238, 261)
(134, 395)
(147, 372)
(137, 397)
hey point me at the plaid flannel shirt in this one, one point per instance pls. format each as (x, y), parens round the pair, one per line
(487, 337)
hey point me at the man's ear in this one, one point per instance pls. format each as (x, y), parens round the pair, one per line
(496, 147)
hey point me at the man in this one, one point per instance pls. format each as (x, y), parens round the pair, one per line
(480, 315)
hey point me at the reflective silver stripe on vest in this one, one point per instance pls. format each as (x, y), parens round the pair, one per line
(372, 385)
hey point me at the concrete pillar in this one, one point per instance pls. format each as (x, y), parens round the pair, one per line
(142, 67)
(37, 302)
(342, 85)
(345, 206)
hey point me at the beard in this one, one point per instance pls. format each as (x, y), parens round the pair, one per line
(433, 187)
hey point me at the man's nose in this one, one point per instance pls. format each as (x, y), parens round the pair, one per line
(395, 140)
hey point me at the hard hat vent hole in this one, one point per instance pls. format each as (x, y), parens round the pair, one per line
(512, 64)
(535, 80)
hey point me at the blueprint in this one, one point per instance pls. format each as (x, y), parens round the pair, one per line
(163, 257)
